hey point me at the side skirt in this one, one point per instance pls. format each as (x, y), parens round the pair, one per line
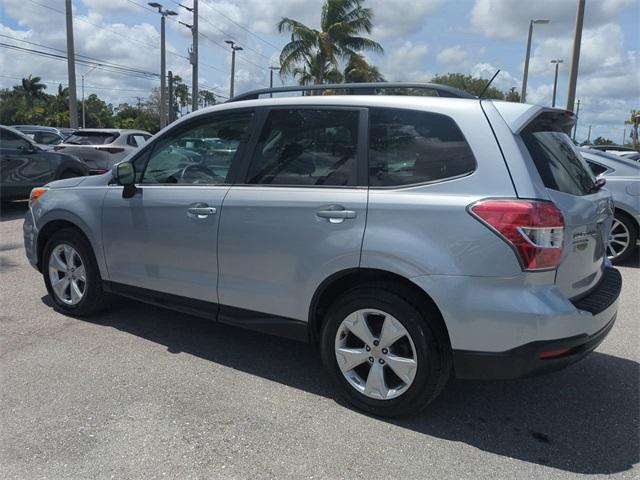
(238, 317)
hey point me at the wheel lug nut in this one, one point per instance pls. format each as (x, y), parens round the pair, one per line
(371, 359)
(376, 343)
(385, 351)
(367, 348)
(381, 361)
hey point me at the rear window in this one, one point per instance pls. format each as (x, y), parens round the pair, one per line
(91, 138)
(559, 164)
(408, 147)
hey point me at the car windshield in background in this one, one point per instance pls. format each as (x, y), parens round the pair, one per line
(559, 163)
(91, 138)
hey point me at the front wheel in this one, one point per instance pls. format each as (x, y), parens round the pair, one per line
(71, 274)
(385, 355)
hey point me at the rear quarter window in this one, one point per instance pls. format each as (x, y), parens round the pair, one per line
(410, 147)
(559, 164)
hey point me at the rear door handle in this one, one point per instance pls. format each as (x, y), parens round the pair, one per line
(337, 215)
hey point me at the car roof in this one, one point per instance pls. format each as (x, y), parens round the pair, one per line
(111, 130)
(17, 132)
(36, 127)
(610, 160)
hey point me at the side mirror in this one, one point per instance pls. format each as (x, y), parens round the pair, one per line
(125, 174)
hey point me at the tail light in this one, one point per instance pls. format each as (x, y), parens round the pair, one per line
(111, 149)
(534, 229)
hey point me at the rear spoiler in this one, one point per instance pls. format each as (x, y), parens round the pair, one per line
(519, 116)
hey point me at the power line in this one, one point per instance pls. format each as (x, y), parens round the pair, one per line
(241, 26)
(95, 87)
(241, 58)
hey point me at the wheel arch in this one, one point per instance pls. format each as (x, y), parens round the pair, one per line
(50, 228)
(333, 286)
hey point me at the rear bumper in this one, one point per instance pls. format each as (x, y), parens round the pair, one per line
(545, 356)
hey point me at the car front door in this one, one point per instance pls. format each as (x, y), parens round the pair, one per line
(24, 165)
(164, 237)
(296, 217)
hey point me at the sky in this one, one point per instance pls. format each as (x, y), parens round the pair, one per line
(420, 38)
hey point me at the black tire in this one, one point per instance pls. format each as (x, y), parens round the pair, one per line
(632, 228)
(423, 323)
(95, 298)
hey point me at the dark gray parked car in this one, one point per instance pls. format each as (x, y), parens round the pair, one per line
(25, 165)
(42, 135)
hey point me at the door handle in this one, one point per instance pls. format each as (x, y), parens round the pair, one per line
(336, 215)
(201, 212)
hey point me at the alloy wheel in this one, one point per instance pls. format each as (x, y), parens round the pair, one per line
(67, 274)
(618, 239)
(376, 354)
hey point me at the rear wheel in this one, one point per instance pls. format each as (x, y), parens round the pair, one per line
(386, 356)
(622, 238)
(71, 274)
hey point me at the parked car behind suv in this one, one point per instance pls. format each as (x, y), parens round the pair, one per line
(25, 165)
(102, 148)
(623, 181)
(42, 135)
(407, 238)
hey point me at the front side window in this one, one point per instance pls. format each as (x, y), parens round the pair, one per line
(12, 141)
(201, 154)
(409, 146)
(46, 138)
(306, 147)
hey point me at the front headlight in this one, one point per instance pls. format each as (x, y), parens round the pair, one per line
(36, 193)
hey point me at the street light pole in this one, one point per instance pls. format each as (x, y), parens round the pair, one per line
(234, 48)
(575, 59)
(523, 96)
(83, 77)
(271, 70)
(555, 81)
(163, 62)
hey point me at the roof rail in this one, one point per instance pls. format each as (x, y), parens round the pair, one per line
(357, 89)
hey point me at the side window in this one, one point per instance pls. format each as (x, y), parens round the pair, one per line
(596, 168)
(46, 138)
(202, 154)
(306, 147)
(136, 140)
(11, 140)
(410, 146)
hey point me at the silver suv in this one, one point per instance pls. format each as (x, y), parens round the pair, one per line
(409, 238)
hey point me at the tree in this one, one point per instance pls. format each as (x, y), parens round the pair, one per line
(513, 95)
(31, 90)
(634, 120)
(342, 22)
(602, 141)
(359, 70)
(98, 113)
(206, 98)
(469, 84)
(311, 71)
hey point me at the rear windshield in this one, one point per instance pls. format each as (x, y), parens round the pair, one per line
(560, 165)
(91, 138)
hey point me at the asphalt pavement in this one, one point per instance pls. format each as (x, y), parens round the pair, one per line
(140, 393)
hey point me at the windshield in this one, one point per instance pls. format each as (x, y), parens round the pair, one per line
(91, 138)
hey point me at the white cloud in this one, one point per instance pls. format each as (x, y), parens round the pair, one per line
(452, 56)
(510, 18)
(398, 19)
(404, 63)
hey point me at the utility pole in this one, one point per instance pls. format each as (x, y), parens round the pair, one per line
(555, 81)
(589, 136)
(525, 76)
(271, 70)
(575, 60)
(171, 109)
(71, 67)
(234, 48)
(163, 62)
(193, 54)
(575, 127)
(624, 135)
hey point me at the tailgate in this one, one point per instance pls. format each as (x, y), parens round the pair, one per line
(587, 210)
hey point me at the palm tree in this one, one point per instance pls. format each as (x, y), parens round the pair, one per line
(359, 70)
(342, 22)
(31, 90)
(311, 71)
(634, 120)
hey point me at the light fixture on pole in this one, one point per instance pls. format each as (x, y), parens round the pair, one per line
(523, 97)
(555, 81)
(83, 77)
(163, 62)
(234, 49)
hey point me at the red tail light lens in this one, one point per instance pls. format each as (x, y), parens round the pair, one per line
(534, 228)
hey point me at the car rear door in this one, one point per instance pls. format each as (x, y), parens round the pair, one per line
(164, 237)
(587, 209)
(297, 214)
(24, 165)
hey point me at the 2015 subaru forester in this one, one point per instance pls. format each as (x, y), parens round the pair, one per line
(410, 238)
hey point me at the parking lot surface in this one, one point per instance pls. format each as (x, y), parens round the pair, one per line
(141, 392)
